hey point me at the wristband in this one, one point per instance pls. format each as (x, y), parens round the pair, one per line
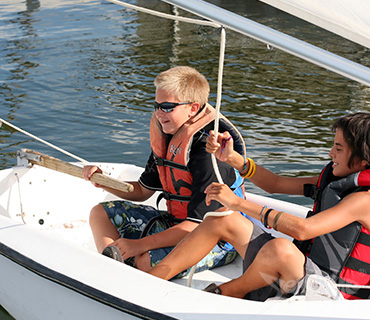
(261, 214)
(276, 219)
(266, 217)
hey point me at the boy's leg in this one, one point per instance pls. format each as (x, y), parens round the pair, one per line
(103, 230)
(233, 228)
(112, 220)
(277, 259)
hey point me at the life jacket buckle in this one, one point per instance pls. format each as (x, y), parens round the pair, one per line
(311, 191)
(159, 161)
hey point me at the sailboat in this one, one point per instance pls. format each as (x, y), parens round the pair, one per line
(50, 268)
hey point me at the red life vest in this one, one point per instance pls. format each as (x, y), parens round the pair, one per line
(345, 253)
(172, 161)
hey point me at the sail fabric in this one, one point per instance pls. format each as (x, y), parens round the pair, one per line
(347, 18)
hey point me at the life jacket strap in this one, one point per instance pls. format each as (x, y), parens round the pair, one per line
(358, 265)
(167, 220)
(364, 239)
(170, 196)
(168, 163)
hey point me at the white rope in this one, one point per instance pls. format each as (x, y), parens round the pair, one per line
(166, 15)
(191, 274)
(20, 197)
(219, 91)
(217, 117)
(218, 103)
(42, 141)
(219, 96)
(218, 214)
(353, 286)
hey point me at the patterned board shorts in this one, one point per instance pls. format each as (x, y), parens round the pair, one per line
(131, 219)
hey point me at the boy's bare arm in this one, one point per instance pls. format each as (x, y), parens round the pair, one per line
(139, 193)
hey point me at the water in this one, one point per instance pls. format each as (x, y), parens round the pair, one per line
(79, 74)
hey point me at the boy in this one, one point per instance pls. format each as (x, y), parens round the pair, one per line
(180, 167)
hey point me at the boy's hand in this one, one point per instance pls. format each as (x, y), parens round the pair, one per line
(129, 247)
(88, 171)
(222, 147)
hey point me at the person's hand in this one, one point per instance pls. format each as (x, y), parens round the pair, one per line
(129, 247)
(222, 146)
(223, 194)
(88, 171)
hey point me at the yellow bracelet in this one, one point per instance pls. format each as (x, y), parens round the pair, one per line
(251, 170)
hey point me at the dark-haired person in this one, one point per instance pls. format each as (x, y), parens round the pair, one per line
(333, 240)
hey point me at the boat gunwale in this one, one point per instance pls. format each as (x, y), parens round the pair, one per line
(79, 287)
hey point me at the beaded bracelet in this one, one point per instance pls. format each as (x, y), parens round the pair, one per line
(251, 171)
(265, 223)
(245, 164)
(261, 214)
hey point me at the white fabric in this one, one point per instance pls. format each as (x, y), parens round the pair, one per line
(321, 288)
(347, 18)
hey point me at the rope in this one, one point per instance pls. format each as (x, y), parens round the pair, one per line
(219, 89)
(352, 286)
(221, 60)
(218, 102)
(166, 15)
(219, 96)
(217, 117)
(42, 141)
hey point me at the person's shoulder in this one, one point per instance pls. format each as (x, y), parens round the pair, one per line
(200, 137)
(357, 202)
(363, 195)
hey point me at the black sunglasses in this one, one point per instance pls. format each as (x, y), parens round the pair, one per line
(168, 106)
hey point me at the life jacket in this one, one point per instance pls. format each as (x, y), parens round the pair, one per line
(172, 161)
(345, 253)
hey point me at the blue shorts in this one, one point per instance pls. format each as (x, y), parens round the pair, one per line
(132, 219)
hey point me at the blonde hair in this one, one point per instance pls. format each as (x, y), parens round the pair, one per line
(185, 83)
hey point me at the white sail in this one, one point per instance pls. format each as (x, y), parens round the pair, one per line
(347, 18)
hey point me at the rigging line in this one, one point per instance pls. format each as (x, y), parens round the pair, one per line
(167, 16)
(42, 141)
(221, 59)
(220, 69)
(219, 96)
(352, 286)
(217, 116)
(22, 214)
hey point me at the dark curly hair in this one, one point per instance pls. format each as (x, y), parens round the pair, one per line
(356, 132)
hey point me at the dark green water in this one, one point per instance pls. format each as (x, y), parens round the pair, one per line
(79, 74)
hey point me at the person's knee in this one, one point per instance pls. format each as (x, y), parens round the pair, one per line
(282, 250)
(96, 213)
(142, 262)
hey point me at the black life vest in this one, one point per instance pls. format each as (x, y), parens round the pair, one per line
(345, 253)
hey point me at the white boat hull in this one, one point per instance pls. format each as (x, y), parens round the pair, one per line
(51, 270)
